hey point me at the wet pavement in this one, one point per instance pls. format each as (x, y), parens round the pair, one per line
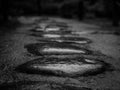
(58, 54)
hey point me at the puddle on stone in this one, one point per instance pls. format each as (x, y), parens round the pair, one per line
(55, 28)
(62, 50)
(55, 49)
(51, 36)
(63, 67)
(48, 29)
(45, 35)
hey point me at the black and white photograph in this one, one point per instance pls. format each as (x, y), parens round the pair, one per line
(59, 45)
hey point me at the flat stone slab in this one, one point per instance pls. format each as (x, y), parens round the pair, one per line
(48, 27)
(46, 35)
(50, 34)
(60, 41)
(55, 49)
(62, 37)
(66, 37)
(63, 67)
(77, 40)
(51, 30)
(70, 40)
(56, 27)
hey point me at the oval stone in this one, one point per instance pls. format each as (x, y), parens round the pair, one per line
(49, 34)
(55, 48)
(77, 40)
(63, 67)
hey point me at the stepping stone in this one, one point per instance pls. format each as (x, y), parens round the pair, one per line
(55, 28)
(63, 36)
(63, 67)
(51, 36)
(78, 40)
(72, 41)
(47, 35)
(42, 33)
(61, 32)
(52, 29)
(40, 27)
(55, 49)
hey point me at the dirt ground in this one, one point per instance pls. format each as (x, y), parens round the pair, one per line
(105, 41)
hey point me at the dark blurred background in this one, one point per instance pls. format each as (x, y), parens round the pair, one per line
(78, 9)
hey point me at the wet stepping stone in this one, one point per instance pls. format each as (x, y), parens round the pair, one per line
(70, 40)
(60, 41)
(77, 40)
(55, 49)
(63, 67)
(44, 35)
(51, 35)
(48, 35)
(55, 28)
(65, 35)
(61, 32)
(40, 27)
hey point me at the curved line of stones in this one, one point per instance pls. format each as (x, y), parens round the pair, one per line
(43, 32)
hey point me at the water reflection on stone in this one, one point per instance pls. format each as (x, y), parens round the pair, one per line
(63, 67)
(55, 48)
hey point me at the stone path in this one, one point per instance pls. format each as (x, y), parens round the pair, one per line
(60, 66)
(49, 54)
